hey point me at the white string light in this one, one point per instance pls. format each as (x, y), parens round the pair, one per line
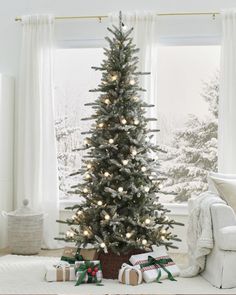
(132, 82)
(120, 189)
(107, 217)
(85, 190)
(144, 169)
(99, 203)
(136, 121)
(107, 101)
(123, 121)
(125, 162)
(144, 242)
(111, 141)
(146, 189)
(106, 174)
(86, 233)
(147, 221)
(128, 235)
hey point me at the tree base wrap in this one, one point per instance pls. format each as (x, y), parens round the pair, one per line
(88, 272)
(130, 275)
(60, 274)
(156, 265)
(72, 254)
(111, 263)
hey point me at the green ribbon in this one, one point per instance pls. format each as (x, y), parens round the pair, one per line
(72, 260)
(159, 263)
(83, 270)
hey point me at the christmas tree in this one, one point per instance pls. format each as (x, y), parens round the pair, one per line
(194, 151)
(120, 211)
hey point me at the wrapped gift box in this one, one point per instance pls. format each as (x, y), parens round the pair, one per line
(156, 265)
(72, 254)
(88, 272)
(60, 274)
(130, 275)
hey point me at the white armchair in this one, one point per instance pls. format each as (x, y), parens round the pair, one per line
(221, 262)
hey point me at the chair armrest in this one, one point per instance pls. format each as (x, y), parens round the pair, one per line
(227, 238)
(222, 216)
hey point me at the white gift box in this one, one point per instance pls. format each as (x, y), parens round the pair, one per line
(60, 274)
(150, 273)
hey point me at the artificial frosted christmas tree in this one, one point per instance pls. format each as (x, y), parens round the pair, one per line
(120, 212)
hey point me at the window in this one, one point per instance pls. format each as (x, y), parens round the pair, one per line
(73, 79)
(187, 103)
(188, 91)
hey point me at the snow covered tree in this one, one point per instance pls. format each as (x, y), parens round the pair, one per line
(66, 136)
(194, 150)
(120, 211)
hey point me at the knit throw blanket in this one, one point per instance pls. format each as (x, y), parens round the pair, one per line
(200, 232)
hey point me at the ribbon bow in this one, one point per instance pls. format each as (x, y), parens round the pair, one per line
(125, 267)
(159, 264)
(90, 269)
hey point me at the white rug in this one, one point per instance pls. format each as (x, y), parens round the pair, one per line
(25, 275)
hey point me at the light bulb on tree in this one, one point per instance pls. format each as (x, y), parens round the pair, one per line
(89, 166)
(87, 176)
(123, 121)
(78, 213)
(135, 98)
(128, 235)
(86, 141)
(134, 152)
(144, 242)
(146, 189)
(106, 174)
(144, 169)
(132, 82)
(99, 203)
(120, 189)
(102, 245)
(114, 77)
(136, 121)
(86, 233)
(107, 101)
(125, 162)
(85, 190)
(101, 125)
(147, 221)
(107, 217)
(111, 141)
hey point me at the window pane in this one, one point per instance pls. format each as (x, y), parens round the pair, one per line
(187, 101)
(73, 79)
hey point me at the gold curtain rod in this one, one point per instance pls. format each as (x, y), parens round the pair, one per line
(100, 17)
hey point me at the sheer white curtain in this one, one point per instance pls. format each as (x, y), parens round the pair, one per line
(36, 163)
(145, 37)
(227, 103)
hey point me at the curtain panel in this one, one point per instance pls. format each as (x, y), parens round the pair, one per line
(35, 144)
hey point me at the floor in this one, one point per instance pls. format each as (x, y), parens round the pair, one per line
(25, 275)
(180, 258)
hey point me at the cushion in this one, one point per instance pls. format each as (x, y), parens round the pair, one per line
(211, 185)
(227, 238)
(226, 189)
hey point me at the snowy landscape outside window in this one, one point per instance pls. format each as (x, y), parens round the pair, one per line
(188, 85)
(73, 79)
(187, 101)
